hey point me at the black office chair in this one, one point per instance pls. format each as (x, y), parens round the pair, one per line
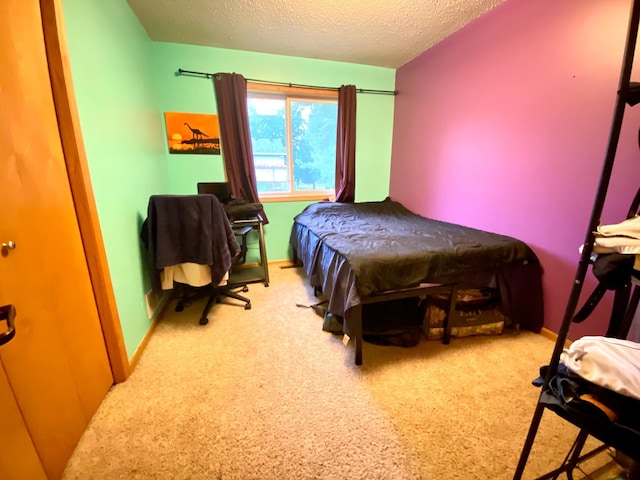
(193, 229)
(214, 294)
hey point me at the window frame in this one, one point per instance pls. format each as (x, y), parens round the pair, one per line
(292, 94)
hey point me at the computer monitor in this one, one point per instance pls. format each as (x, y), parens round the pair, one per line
(219, 189)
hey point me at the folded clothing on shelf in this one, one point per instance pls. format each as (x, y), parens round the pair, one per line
(611, 363)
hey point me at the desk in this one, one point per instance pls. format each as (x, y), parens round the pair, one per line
(253, 273)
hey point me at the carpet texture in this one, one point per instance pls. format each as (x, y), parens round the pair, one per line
(266, 394)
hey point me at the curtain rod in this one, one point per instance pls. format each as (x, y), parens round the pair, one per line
(283, 84)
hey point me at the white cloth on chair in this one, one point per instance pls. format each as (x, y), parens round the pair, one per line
(193, 274)
(609, 362)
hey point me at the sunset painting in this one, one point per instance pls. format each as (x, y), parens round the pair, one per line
(192, 133)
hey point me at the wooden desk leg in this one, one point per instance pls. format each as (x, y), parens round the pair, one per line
(353, 328)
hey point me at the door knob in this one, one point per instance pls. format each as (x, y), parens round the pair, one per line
(7, 246)
(8, 314)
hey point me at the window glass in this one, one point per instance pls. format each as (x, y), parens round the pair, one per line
(294, 143)
(313, 127)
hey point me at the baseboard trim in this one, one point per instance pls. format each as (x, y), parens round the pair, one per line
(274, 263)
(551, 335)
(284, 263)
(133, 361)
(143, 344)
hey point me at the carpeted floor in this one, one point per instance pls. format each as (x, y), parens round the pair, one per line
(266, 394)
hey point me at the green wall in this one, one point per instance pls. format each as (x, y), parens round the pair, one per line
(180, 93)
(124, 83)
(110, 57)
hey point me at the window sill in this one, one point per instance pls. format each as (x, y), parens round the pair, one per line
(296, 198)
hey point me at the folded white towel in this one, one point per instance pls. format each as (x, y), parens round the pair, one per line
(609, 362)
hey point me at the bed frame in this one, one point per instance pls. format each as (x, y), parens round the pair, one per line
(372, 252)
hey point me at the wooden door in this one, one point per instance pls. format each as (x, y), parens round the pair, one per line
(57, 364)
(18, 456)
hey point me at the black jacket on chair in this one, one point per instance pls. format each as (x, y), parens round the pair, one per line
(188, 228)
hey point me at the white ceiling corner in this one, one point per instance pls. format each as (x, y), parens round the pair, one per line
(385, 33)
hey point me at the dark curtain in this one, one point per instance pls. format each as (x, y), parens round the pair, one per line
(235, 137)
(346, 145)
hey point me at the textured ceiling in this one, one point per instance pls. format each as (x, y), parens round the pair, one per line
(385, 33)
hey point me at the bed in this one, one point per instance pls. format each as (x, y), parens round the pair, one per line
(368, 252)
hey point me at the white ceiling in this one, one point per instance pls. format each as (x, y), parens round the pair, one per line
(385, 33)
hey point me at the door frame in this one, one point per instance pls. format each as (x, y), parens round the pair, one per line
(81, 188)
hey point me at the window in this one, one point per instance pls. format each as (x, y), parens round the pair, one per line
(293, 135)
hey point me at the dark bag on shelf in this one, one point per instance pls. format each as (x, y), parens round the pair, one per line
(237, 209)
(613, 271)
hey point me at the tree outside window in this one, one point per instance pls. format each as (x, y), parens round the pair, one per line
(294, 143)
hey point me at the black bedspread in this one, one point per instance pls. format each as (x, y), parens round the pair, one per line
(353, 251)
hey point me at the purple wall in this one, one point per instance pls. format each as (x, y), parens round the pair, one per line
(504, 126)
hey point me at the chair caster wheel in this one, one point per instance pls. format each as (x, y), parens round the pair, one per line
(179, 307)
(203, 321)
(247, 306)
(266, 284)
(245, 289)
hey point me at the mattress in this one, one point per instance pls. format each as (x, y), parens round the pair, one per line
(354, 251)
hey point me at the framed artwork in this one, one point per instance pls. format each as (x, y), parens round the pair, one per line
(192, 133)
